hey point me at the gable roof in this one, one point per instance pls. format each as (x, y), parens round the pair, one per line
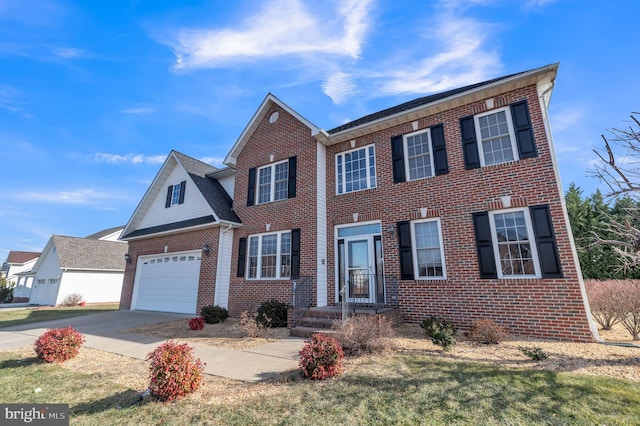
(251, 127)
(84, 253)
(20, 257)
(214, 194)
(105, 232)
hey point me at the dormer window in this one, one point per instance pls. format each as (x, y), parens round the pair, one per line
(175, 194)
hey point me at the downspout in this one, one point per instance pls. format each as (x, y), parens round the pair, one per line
(574, 252)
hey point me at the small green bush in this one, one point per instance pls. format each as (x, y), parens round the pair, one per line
(445, 339)
(272, 314)
(434, 325)
(58, 344)
(487, 332)
(536, 353)
(214, 314)
(321, 357)
(174, 371)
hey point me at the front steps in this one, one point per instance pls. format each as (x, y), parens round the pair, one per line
(321, 319)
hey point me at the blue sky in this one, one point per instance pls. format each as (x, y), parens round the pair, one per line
(94, 95)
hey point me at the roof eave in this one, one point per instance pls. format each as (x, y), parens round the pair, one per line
(545, 73)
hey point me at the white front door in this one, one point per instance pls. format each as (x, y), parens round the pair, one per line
(360, 269)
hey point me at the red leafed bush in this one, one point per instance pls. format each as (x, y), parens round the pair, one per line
(196, 323)
(487, 332)
(58, 344)
(174, 371)
(321, 357)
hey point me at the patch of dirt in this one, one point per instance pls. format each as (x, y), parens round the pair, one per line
(228, 334)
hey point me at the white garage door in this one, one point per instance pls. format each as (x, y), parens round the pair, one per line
(168, 282)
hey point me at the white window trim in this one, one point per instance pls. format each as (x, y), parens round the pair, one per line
(532, 243)
(175, 200)
(414, 249)
(406, 154)
(512, 135)
(368, 169)
(259, 262)
(272, 183)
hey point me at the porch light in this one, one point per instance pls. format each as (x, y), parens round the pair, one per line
(206, 249)
(127, 258)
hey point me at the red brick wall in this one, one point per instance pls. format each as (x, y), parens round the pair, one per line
(184, 241)
(549, 308)
(284, 138)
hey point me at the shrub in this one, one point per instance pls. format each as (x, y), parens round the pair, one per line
(214, 314)
(252, 327)
(629, 314)
(73, 299)
(536, 353)
(604, 301)
(272, 313)
(58, 344)
(363, 334)
(487, 332)
(196, 323)
(321, 357)
(434, 325)
(174, 371)
(444, 338)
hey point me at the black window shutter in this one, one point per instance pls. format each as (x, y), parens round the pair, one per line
(242, 256)
(291, 190)
(523, 129)
(183, 187)
(295, 253)
(545, 241)
(406, 254)
(439, 150)
(167, 203)
(251, 187)
(397, 156)
(469, 143)
(484, 245)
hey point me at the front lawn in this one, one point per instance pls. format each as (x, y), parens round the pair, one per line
(12, 317)
(391, 389)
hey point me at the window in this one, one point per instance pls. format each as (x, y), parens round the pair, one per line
(175, 194)
(40, 281)
(53, 281)
(356, 170)
(497, 140)
(270, 255)
(419, 161)
(427, 249)
(513, 245)
(273, 182)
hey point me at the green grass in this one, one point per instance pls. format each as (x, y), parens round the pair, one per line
(29, 315)
(389, 390)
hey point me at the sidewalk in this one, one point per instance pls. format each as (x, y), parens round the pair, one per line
(102, 332)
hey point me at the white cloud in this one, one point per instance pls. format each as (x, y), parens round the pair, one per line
(75, 197)
(9, 100)
(338, 86)
(568, 118)
(460, 57)
(68, 52)
(129, 158)
(214, 161)
(139, 110)
(280, 28)
(538, 3)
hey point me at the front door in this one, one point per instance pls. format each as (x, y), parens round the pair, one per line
(360, 263)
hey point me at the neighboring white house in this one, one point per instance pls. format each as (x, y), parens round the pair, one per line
(19, 263)
(92, 267)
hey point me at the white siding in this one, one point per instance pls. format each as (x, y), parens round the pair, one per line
(321, 219)
(223, 274)
(49, 268)
(93, 286)
(15, 268)
(114, 235)
(23, 286)
(194, 203)
(228, 183)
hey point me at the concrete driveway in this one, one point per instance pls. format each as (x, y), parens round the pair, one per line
(102, 331)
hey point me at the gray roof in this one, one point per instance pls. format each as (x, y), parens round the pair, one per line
(104, 232)
(415, 103)
(83, 253)
(218, 199)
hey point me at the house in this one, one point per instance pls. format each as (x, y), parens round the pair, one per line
(92, 267)
(19, 263)
(447, 205)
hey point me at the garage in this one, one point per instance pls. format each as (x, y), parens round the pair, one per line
(167, 282)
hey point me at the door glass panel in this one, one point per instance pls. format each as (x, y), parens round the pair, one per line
(358, 266)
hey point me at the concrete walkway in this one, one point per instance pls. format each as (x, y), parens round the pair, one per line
(102, 331)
